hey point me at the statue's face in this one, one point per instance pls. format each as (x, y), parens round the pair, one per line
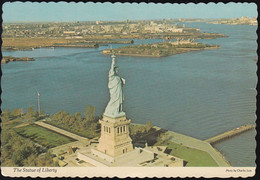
(116, 70)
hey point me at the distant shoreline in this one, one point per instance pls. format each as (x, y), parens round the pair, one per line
(233, 24)
(237, 21)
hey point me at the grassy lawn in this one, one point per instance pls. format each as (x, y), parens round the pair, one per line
(194, 157)
(43, 136)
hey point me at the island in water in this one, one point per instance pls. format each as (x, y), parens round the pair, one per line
(160, 49)
(7, 59)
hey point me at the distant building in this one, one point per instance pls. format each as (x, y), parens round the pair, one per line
(107, 51)
(177, 30)
(69, 32)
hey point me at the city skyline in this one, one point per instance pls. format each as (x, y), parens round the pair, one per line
(58, 12)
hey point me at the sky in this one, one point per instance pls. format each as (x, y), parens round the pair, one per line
(65, 12)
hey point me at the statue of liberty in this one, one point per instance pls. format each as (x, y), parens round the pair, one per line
(115, 84)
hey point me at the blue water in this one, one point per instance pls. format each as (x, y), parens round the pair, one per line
(200, 94)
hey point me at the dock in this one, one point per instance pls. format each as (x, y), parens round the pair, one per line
(230, 133)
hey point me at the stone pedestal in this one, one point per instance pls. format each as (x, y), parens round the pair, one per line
(115, 139)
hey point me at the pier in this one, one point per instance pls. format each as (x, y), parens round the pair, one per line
(230, 133)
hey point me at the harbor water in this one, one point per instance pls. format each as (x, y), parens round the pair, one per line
(200, 93)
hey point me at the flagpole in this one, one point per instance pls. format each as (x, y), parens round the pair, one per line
(39, 108)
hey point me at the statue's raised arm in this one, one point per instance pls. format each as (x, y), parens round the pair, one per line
(112, 69)
(115, 85)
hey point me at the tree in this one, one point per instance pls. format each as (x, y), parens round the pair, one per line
(90, 113)
(16, 142)
(36, 114)
(30, 109)
(60, 115)
(93, 127)
(6, 115)
(47, 160)
(148, 126)
(17, 112)
(71, 120)
(18, 157)
(30, 112)
(78, 116)
(6, 112)
(141, 129)
(5, 154)
(31, 161)
(42, 113)
(5, 137)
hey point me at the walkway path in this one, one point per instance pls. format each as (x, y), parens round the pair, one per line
(22, 125)
(61, 131)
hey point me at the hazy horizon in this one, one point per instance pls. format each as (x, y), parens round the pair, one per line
(71, 12)
(111, 20)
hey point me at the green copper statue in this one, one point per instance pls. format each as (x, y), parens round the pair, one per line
(115, 84)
